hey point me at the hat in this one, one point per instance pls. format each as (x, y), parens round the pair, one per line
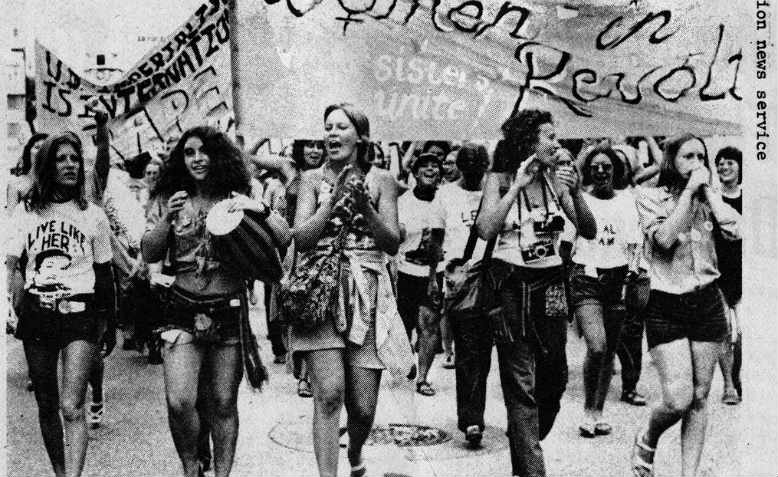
(423, 158)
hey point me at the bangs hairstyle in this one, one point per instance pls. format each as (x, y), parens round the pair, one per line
(362, 125)
(45, 173)
(668, 175)
(227, 171)
(618, 166)
(733, 154)
(521, 136)
(25, 163)
(298, 153)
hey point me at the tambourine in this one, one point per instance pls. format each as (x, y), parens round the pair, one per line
(244, 242)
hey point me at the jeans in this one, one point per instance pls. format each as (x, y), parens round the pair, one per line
(533, 368)
(473, 343)
(630, 351)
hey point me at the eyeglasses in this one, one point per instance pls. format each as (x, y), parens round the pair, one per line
(604, 167)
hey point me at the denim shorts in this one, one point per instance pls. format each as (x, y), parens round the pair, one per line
(210, 321)
(696, 316)
(605, 289)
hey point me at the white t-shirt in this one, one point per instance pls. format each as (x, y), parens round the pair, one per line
(461, 208)
(522, 245)
(418, 217)
(62, 243)
(617, 225)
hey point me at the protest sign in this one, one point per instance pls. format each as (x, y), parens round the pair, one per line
(456, 69)
(186, 81)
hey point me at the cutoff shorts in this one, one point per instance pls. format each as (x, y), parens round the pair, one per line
(696, 316)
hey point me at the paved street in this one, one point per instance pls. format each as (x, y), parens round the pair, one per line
(275, 426)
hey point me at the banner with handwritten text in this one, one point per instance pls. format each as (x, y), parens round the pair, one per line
(457, 68)
(184, 82)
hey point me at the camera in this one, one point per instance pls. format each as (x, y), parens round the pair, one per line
(538, 251)
(552, 224)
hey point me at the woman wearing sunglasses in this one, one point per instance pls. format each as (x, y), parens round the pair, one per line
(601, 265)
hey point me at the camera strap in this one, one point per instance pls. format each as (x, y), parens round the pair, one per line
(472, 238)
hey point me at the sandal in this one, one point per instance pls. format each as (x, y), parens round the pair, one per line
(304, 389)
(359, 470)
(641, 468)
(587, 429)
(424, 388)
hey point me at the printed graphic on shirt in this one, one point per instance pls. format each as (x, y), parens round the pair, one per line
(420, 255)
(607, 235)
(53, 244)
(50, 264)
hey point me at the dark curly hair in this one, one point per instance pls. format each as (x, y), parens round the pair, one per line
(668, 175)
(733, 153)
(25, 162)
(227, 171)
(521, 137)
(41, 193)
(618, 166)
(359, 119)
(472, 157)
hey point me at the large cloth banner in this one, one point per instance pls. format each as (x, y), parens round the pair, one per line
(185, 82)
(453, 69)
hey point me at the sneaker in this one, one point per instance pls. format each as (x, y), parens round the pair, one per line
(304, 389)
(473, 436)
(730, 397)
(280, 359)
(94, 415)
(448, 362)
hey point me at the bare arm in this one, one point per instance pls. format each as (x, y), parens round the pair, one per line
(383, 222)
(103, 159)
(578, 212)
(494, 208)
(282, 164)
(310, 221)
(15, 280)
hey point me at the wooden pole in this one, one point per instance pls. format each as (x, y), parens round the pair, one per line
(235, 64)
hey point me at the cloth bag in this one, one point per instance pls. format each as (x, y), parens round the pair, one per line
(307, 293)
(467, 290)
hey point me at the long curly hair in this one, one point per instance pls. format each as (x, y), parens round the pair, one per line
(41, 193)
(24, 165)
(668, 174)
(521, 137)
(227, 170)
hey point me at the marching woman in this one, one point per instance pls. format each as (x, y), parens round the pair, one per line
(63, 295)
(598, 276)
(206, 300)
(527, 205)
(351, 208)
(685, 318)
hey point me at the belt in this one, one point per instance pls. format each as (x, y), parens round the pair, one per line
(66, 306)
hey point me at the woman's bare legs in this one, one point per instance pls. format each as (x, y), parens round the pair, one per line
(77, 360)
(182, 368)
(325, 369)
(225, 371)
(361, 399)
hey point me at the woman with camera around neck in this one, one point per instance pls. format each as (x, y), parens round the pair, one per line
(686, 325)
(528, 204)
(598, 276)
